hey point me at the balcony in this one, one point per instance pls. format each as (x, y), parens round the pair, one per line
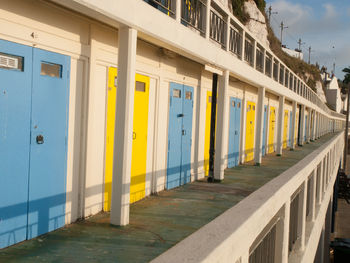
(288, 193)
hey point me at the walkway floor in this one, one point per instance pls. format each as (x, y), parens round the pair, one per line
(157, 222)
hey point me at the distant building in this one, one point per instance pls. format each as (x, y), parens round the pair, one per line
(333, 94)
(297, 53)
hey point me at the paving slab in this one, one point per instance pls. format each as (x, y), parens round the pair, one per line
(158, 222)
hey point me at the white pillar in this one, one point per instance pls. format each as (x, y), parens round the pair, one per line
(294, 118)
(221, 137)
(313, 136)
(228, 26)
(308, 129)
(207, 20)
(123, 126)
(178, 11)
(302, 125)
(259, 125)
(280, 125)
(243, 128)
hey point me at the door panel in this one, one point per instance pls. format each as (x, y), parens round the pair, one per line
(139, 143)
(111, 105)
(264, 131)
(174, 136)
(231, 160)
(237, 130)
(207, 133)
(48, 151)
(272, 130)
(290, 129)
(186, 134)
(249, 149)
(285, 129)
(15, 107)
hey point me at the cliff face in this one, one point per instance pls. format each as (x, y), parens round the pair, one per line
(259, 28)
(257, 22)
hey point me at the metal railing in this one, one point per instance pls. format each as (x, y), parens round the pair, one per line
(268, 64)
(165, 6)
(259, 60)
(235, 44)
(217, 29)
(249, 51)
(193, 14)
(265, 251)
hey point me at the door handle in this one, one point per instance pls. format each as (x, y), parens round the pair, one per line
(183, 132)
(39, 139)
(180, 115)
(134, 135)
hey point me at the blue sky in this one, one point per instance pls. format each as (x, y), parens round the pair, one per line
(323, 25)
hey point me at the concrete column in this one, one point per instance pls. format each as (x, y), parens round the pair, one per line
(264, 65)
(313, 136)
(294, 118)
(207, 20)
(259, 126)
(280, 125)
(308, 129)
(282, 234)
(123, 126)
(313, 196)
(221, 137)
(228, 26)
(302, 125)
(302, 213)
(320, 186)
(243, 45)
(243, 129)
(178, 11)
(254, 53)
(319, 257)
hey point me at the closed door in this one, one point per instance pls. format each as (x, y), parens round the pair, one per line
(179, 135)
(250, 126)
(111, 105)
(272, 125)
(234, 132)
(36, 91)
(238, 113)
(290, 129)
(264, 131)
(139, 143)
(285, 129)
(207, 132)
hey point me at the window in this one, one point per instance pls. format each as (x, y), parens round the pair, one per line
(188, 95)
(177, 93)
(140, 86)
(51, 70)
(11, 62)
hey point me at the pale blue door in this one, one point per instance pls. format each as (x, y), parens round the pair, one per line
(186, 139)
(264, 131)
(33, 141)
(179, 135)
(174, 136)
(231, 134)
(15, 97)
(238, 111)
(48, 151)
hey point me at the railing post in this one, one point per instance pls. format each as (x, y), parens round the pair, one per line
(264, 61)
(314, 125)
(308, 133)
(280, 126)
(282, 235)
(243, 45)
(302, 213)
(260, 125)
(207, 20)
(313, 195)
(123, 126)
(178, 10)
(254, 53)
(294, 118)
(320, 186)
(228, 23)
(222, 126)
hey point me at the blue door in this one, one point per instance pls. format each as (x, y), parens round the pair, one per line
(305, 128)
(264, 131)
(290, 129)
(33, 136)
(47, 182)
(15, 97)
(231, 160)
(234, 132)
(179, 135)
(237, 130)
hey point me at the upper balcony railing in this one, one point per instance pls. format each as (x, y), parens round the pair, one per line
(213, 20)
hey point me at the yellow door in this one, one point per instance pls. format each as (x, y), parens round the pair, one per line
(111, 101)
(250, 125)
(139, 146)
(207, 133)
(285, 129)
(272, 130)
(296, 127)
(139, 143)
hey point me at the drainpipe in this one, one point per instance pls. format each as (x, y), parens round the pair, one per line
(212, 127)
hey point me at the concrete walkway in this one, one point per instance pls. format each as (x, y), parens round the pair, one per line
(157, 222)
